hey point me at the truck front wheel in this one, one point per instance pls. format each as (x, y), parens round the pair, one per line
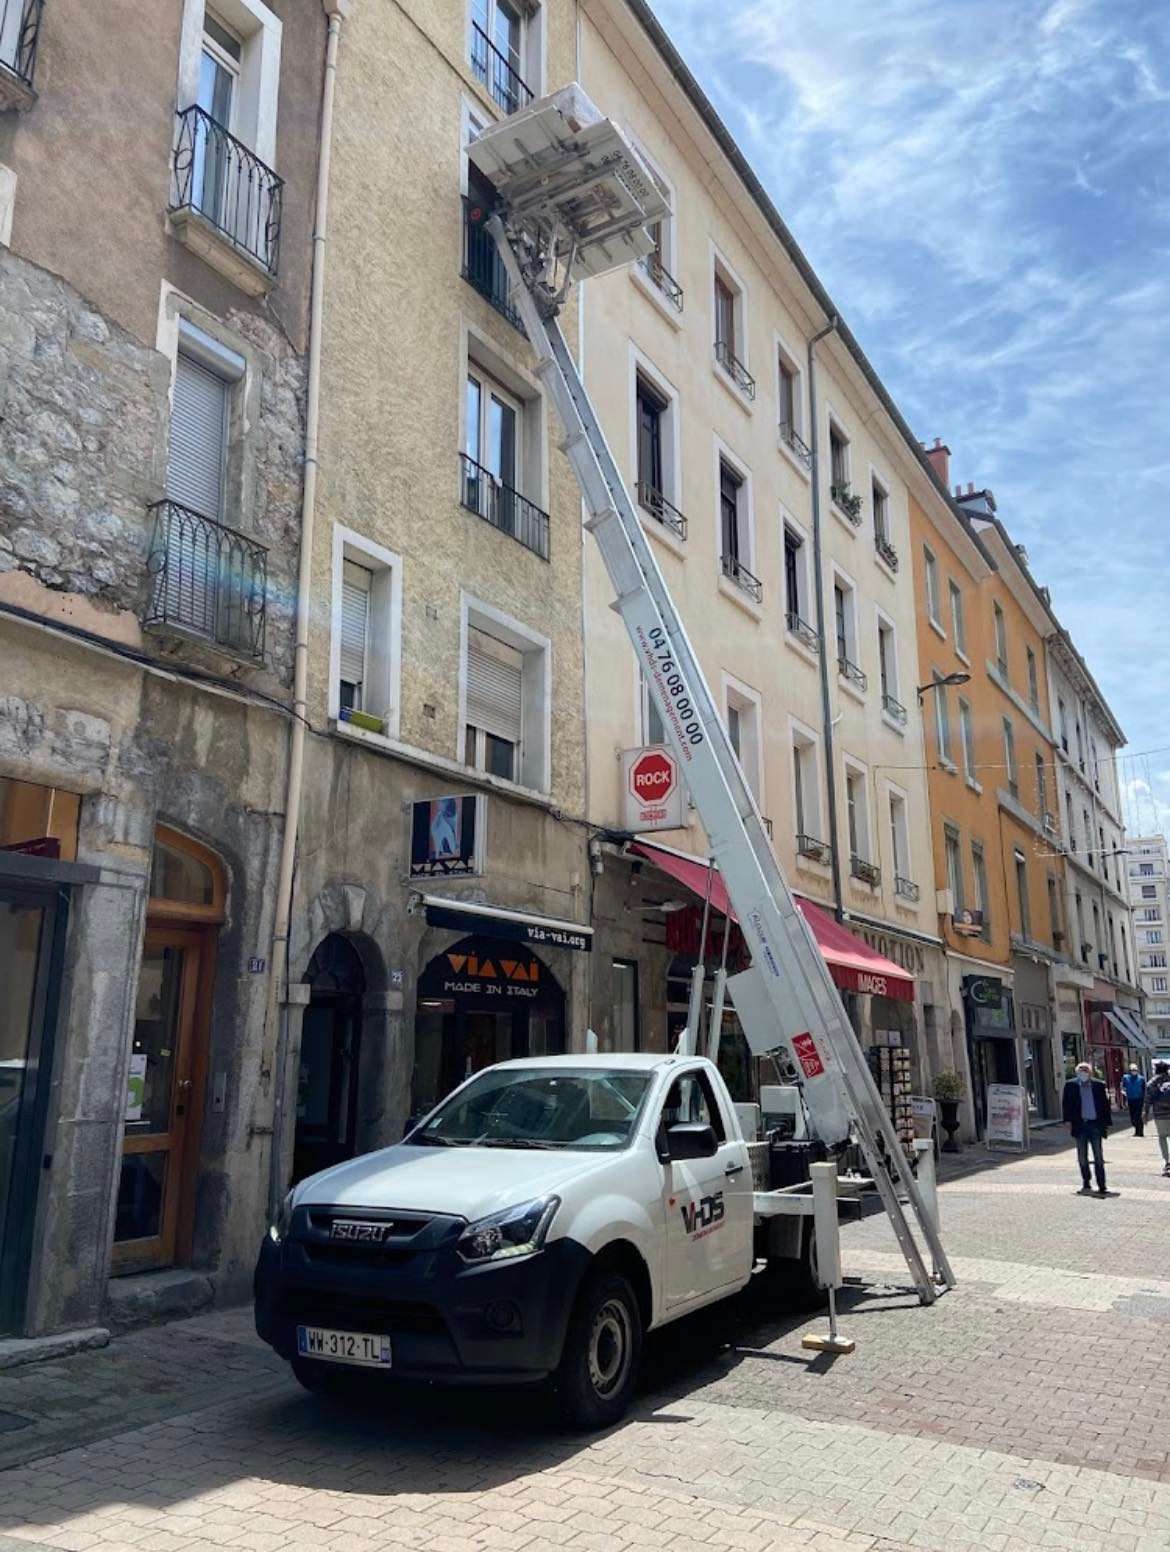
(603, 1349)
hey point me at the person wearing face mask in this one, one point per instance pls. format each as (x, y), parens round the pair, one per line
(1087, 1111)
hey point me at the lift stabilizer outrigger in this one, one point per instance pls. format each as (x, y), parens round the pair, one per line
(573, 199)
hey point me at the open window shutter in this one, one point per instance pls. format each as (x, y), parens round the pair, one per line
(355, 623)
(493, 686)
(198, 430)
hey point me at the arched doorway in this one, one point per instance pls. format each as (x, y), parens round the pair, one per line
(327, 1080)
(168, 1061)
(482, 1000)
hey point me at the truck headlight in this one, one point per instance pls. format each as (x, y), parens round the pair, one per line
(517, 1231)
(279, 1226)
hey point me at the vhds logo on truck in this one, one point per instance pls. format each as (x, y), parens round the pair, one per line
(704, 1216)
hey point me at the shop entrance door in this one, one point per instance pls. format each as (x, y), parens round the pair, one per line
(327, 1081)
(992, 1061)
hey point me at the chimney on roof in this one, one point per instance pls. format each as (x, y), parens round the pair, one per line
(940, 461)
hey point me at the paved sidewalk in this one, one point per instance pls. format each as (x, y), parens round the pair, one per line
(1021, 1411)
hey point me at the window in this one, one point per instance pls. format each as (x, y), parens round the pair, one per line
(365, 646)
(1096, 927)
(356, 585)
(1033, 681)
(492, 429)
(1009, 757)
(979, 874)
(888, 667)
(1062, 718)
(806, 805)
(197, 454)
(730, 486)
(942, 720)
(881, 514)
(1082, 946)
(1041, 787)
(651, 411)
(743, 728)
(625, 1005)
(1146, 869)
(659, 262)
(1096, 767)
(967, 735)
(790, 408)
(1088, 834)
(499, 46)
(1022, 894)
(731, 329)
(1053, 909)
(1149, 891)
(857, 813)
(1102, 859)
(796, 584)
(954, 862)
(1153, 961)
(735, 530)
(219, 76)
(1150, 913)
(839, 480)
(930, 566)
(845, 629)
(725, 333)
(899, 840)
(653, 730)
(1153, 935)
(958, 620)
(1001, 641)
(506, 694)
(502, 459)
(1072, 828)
(1158, 983)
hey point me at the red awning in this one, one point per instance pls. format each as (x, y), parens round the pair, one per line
(853, 964)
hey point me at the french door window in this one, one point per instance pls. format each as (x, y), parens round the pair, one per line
(492, 441)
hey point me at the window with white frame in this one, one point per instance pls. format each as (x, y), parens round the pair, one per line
(744, 728)
(1033, 681)
(366, 636)
(1153, 935)
(730, 327)
(1149, 891)
(958, 620)
(656, 447)
(942, 719)
(1153, 961)
(506, 49)
(930, 571)
(840, 474)
(1001, 656)
(205, 373)
(857, 812)
(1021, 865)
(899, 842)
(1158, 983)
(735, 528)
(806, 794)
(979, 875)
(845, 629)
(659, 264)
(888, 666)
(797, 604)
(954, 867)
(502, 463)
(881, 514)
(790, 405)
(1009, 758)
(967, 738)
(506, 684)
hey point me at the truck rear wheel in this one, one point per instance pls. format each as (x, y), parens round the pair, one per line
(798, 1275)
(603, 1350)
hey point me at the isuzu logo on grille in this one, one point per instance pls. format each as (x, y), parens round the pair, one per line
(353, 1229)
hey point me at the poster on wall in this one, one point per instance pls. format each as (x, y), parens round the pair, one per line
(1007, 1116)
(136, 1086)
(447, 837)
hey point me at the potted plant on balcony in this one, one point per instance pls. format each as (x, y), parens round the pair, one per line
(949, 1089)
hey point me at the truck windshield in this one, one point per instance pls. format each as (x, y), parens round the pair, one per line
(518, 1107)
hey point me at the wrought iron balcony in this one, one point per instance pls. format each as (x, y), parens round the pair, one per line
(886, 550)
(803, 631)
(906, 888)
(867, 872)
(661, 277)
(496, 72)
(894, 709)
(809, 846)
(735, 369)
(483, 269)
(20, 26)
(665, 512)
(850, 671)
(848, 503)
(735, 569)
(226, 184)
(798, 448)
(504, 508)
(207, 581)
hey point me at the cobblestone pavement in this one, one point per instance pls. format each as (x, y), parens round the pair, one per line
(1024, 1410)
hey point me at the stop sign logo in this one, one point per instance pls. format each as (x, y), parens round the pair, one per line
(652, 776)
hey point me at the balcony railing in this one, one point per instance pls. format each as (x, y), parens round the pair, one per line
(848, 503)
(735, 569)
(894, 710)
(803, 631)
(483, 269)
(497, 73)
(207, 580)
(886, 550)
(735, 369)
(809, 846)
(504, 508)
(850, 671)
(219, 178)
(867, 872)
(20, 26)
(661, 277)
(665, 512)
(798, 448)
(906, 888)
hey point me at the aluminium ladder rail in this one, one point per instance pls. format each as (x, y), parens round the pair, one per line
(787, 991)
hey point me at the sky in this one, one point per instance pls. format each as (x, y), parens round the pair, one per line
(984, 188)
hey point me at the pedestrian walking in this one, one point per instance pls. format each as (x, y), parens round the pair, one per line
(1157, 1109)
(1133, 1086)
(1086, 1109)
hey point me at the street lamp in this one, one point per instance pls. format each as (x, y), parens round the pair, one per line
(937, 684)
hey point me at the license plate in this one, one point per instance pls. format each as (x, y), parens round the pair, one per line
(358, 1347)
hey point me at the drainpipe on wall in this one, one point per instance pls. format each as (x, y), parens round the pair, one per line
(818, 566)
(276, 1018)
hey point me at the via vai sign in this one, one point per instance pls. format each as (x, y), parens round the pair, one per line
(652, 790)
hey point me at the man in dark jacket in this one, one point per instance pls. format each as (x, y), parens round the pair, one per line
(1087, 1111)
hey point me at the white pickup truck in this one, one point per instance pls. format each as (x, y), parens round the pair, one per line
(534, 1225)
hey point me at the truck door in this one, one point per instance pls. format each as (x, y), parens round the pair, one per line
(708, 1201)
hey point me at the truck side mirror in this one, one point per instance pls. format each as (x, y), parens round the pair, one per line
(691, 1140)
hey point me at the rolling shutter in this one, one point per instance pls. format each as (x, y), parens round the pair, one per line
(198, 436)
(494, 676)
(356, 582)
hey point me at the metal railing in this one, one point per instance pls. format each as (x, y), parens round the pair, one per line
(207, 580)
(738, 573)
(20, 26)
(735, 369)
(661, 277)
(809, 846)
(886, 550)
(850, 671)
(867, 872)
(850, 504)
(795, 445)
(483, 269)
(906, 888)
(894, 708)
(217, 176)
(504, 83)
(654, 502)
(803, 631)
(504, 508)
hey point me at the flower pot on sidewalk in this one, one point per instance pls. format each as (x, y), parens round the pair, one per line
(950, 1121)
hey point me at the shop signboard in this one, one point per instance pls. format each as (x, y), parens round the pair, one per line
(1007, 1116)
(447, 837)
(652, 790)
